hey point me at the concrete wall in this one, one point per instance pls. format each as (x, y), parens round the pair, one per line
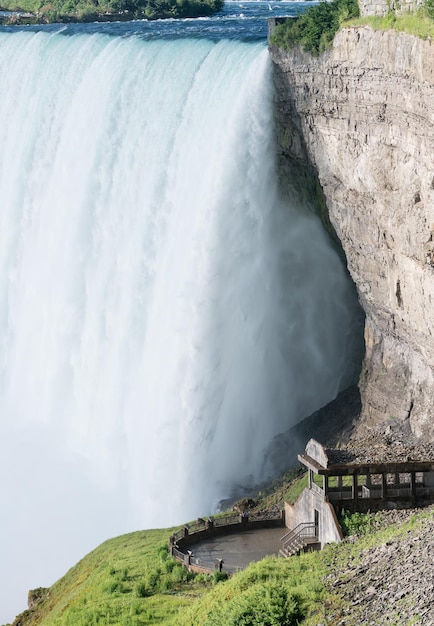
(303, 510)
(316, 450)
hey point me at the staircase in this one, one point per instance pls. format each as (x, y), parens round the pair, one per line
(302, 537)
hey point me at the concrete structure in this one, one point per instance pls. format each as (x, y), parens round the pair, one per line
(206, 531)
(313, 523)
(235, 551)
(357, 480)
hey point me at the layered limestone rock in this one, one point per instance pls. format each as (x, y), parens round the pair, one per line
(362, 116)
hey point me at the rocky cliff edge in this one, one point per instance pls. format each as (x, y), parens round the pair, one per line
(362, 117)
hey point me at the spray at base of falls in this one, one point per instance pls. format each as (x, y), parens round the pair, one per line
(163, 313)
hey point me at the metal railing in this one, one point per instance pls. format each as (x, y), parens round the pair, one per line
(304, 529)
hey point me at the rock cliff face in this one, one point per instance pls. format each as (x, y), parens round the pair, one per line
(362, 117)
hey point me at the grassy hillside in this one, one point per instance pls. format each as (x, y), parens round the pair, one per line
(272, 592)
(127, 580)
(420, 23)
(130, 580)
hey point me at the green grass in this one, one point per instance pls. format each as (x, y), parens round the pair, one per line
(126, 581)
(287, 488)
(418, 23)
(131, 581)
(295, 489)
(304, 577)
(347, 481)
(301, 578)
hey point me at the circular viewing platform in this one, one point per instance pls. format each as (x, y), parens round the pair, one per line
(228, 543)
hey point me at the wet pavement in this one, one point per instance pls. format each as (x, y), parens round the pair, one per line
(239, 549)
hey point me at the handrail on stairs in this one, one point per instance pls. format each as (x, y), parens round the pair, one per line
(299, 531)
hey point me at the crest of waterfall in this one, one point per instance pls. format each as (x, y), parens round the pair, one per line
(163, 313)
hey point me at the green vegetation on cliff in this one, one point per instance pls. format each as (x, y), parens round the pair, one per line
(132, 581)
(315, 29)
(272, 592)
(89, 10)
(129, 580)
(419, 23)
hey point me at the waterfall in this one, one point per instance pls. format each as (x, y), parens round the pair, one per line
(163, 312)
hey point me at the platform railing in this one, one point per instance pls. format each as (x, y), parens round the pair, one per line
(235, 522)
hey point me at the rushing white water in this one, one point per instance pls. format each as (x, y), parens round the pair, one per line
(163, 314)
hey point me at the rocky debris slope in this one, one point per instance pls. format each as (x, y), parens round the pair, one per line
(361, 116)
(392, 583)
(381, 445)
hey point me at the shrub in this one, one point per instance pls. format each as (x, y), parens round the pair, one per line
(179, 573)
(166, 584)
(429, 7)
(219, 576)
(89, 10)
(203, 579)
(355, 523)
(315, 29)
(115, 587)
(163, 552)
(124, 575)
(154, 579)
(141, 590)
(264, 604)
(169, 565)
